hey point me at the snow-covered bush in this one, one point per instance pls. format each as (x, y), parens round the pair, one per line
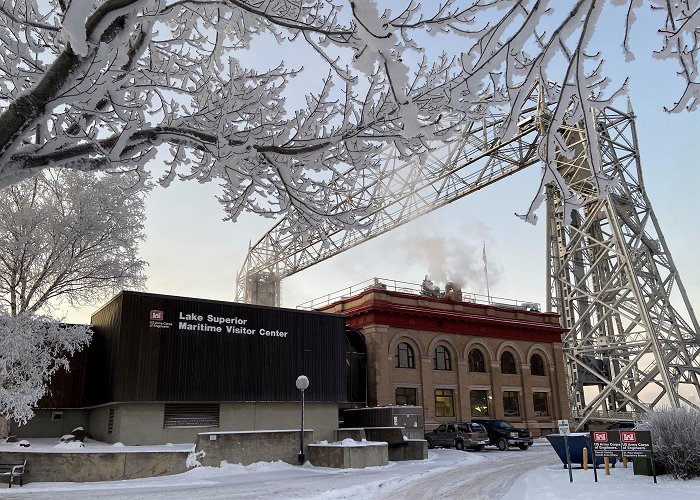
(675, 435)
(32, 349)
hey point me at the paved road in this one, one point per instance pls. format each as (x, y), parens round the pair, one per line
(490, 479)
(446, 474)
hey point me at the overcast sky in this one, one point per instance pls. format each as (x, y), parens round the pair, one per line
(192, 252)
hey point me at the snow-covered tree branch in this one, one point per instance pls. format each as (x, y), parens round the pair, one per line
(211, 88)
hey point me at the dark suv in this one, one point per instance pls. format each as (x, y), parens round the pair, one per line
(461, 436)
(621, 424)
(504, 435)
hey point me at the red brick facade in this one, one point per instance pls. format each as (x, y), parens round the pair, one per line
(418, 345)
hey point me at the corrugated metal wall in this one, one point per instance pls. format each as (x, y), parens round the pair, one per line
(141, 359)
(102, 353)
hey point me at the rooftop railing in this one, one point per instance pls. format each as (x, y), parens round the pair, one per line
(426, 289)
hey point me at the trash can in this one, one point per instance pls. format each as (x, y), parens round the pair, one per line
(577, 442)
(642, 467)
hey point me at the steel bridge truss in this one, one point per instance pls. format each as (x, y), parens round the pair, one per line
(400, 192)
(627, 348)
(612, 280)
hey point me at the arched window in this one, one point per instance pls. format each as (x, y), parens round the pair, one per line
(442, 358)
(508, 363)
(476, 361)
(404, 356)
(536, 365)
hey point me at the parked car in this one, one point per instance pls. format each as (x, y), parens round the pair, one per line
(504, 435)
(622, 424)
(462, 435)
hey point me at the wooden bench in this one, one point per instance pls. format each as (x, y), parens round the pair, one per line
(13, 470)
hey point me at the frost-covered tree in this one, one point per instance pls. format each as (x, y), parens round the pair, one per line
(32, 349)
(64, 235)
(68, 235)
(209, 84)
(675, 433)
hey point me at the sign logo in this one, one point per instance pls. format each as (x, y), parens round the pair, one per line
(628, 437)
(600, 437)
(157, 315)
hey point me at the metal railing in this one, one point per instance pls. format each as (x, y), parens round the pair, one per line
(416, 289)
(609, 416)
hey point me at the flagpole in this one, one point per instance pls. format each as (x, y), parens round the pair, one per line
(486, 273)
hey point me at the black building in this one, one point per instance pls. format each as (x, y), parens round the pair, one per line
(159, 368)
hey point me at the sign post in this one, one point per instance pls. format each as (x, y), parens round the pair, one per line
(564, 431)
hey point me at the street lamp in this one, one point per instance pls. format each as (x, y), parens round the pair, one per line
(302, 384)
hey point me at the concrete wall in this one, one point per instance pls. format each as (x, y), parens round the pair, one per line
(85, 466)
(42, 426)
(142, 423)
(412, 449)
(250, 447)
(341, 457)
(99, 420)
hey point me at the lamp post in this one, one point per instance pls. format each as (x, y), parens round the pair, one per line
(302, 384)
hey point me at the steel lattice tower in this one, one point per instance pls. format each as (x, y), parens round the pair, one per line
(632, 341)
(612, 280)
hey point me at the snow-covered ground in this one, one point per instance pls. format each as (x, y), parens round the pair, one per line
(514, 475)
(53, 445)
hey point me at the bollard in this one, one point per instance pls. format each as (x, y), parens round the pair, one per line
(606, 460)
(585, 459)
(624, 462)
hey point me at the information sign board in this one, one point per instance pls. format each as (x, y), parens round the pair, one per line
(563, 427)
(622, 443)
(607, 444)
(636, 443)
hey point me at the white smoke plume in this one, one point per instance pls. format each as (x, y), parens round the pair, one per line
(455, 259)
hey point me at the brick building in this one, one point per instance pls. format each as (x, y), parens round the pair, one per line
(460, 360)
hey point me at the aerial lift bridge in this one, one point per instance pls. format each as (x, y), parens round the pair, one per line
(632, 341)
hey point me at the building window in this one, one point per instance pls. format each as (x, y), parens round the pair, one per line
(404, 356)
(406, 396)
(536, 365)
(476, 361)
(442, 358)
(479, 401)
(508, 363)
(191, 415)
(539, 400)
(444, 403)
(510, 404)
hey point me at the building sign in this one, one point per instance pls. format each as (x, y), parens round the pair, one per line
(636, 443)
(606, 444)
(630, 444)
(194, 322)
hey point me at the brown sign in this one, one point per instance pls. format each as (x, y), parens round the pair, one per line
(606, 443)
(621, 443)
(636, 443)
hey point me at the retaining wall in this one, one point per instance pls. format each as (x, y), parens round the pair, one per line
(247, 447)
(86, 466)
(341, 457)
